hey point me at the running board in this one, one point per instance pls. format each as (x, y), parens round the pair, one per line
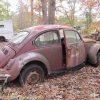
(58, 71)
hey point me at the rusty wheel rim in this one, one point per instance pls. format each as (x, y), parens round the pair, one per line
(33, 77)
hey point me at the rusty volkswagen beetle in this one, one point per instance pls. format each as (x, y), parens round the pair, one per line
(46, 49)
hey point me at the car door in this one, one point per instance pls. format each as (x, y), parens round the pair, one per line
(74, 50)
(48, 45)
(80, 48)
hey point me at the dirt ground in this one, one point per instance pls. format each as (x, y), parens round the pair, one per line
(80, 83)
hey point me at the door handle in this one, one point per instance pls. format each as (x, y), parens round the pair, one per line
(70, 48)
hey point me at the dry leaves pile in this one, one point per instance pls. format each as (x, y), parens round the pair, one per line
(83, 84)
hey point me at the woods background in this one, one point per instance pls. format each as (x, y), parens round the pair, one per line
(84, 13)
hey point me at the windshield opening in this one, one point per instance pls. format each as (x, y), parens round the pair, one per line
(19, 37)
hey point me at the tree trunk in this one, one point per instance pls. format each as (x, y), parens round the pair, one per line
(32, 19)
(20, 20)
(51, 12)
(73, 13)
(44, 11)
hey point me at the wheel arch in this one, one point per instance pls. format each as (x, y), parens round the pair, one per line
(21, 61)
(3, 37)
(41, 64)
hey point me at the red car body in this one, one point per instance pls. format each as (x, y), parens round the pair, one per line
(52, 47)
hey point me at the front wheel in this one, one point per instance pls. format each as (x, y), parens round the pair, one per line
(98, 60)
(32, 74)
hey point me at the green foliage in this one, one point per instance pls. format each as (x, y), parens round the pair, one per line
(62, 20)
(4, 10)
(88, 21)
(67, 15)
(88, 17)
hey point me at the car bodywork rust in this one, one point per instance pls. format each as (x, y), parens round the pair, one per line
(92, 54)
(61, 55)
(6, 53)
(89, 40)
(92, 48)
(22, 60)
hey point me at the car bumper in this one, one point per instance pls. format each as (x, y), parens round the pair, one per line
(4, 79)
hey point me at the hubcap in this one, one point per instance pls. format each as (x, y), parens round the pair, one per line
(33, 77)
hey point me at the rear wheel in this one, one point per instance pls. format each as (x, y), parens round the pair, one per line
(31, 75)
(2, 39)
(98, 60)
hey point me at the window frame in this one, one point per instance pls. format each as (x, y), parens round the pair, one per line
(79, 36)
(2, 26)
(56, 31)
(18, 34)
(61, 33)
(75, 35)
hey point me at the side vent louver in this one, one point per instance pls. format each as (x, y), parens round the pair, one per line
(5, 51)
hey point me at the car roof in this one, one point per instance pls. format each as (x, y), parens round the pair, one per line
(47, 27)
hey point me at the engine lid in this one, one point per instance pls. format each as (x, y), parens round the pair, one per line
(6, 53)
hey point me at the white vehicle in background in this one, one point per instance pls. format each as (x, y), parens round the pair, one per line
(6, 30)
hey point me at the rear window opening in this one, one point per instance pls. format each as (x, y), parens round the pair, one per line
(19, 37)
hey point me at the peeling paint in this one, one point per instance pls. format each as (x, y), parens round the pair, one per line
(51, 55)
(29, 55)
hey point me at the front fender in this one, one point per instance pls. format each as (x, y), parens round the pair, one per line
(92, 54)
(22, 60)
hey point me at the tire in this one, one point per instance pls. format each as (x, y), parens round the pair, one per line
(31, 75)
(2, 39)
(98, 60)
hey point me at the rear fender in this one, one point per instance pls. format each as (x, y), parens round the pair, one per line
(20, 61)
(36, 57)
(92, 54)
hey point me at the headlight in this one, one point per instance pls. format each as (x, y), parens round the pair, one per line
(10, 64)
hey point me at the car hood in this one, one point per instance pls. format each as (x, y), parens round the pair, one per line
(89, 40)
